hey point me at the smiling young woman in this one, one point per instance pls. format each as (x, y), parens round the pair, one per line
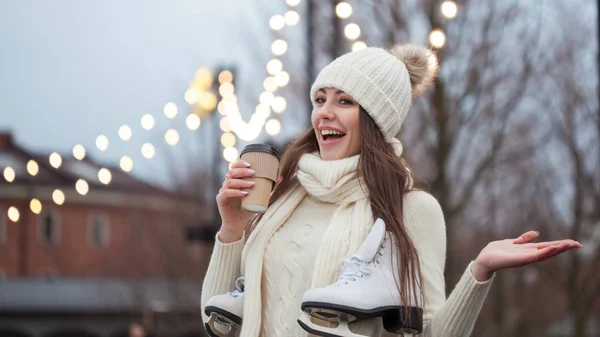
(347, 193)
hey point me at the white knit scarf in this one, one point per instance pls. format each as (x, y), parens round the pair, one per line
(333, 181)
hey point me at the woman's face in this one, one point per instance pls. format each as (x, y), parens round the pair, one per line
(335, 118)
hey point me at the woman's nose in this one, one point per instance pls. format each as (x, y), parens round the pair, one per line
(326, 112)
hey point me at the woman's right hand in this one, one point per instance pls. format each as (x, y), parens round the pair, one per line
(229, 201)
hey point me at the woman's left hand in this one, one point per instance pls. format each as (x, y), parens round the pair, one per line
(518, 252)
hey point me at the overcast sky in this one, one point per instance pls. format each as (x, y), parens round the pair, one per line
(72, 69)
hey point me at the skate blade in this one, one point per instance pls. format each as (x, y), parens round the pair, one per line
(341, 330)
(217, 323)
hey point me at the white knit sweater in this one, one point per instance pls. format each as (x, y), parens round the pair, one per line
(288, 269)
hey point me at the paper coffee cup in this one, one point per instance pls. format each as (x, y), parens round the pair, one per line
(264, 159)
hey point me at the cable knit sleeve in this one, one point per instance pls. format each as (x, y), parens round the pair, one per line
(223, 269)
(456, 316)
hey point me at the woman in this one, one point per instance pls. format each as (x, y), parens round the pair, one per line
(337, 178)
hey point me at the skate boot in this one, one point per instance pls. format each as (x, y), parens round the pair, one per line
(225, 312)
(366, 289)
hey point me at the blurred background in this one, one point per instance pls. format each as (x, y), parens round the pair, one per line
(118, 120)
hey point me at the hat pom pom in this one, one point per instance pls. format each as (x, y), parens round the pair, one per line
(421, 63)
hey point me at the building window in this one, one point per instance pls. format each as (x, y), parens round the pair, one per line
(49, 227)
(99, 231)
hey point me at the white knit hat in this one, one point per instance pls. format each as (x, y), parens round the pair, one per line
(382, 82)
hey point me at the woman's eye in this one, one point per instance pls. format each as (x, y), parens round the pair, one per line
(345, 101)
(320, 100)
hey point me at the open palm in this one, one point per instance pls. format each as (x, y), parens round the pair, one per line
(510, 253)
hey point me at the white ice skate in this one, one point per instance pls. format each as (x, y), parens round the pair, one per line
(225, 312)
(366, 289)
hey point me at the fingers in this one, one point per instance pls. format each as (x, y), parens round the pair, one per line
(240, 164)
(240, 173)
(553, 250)
(526, 237)
(237, 184)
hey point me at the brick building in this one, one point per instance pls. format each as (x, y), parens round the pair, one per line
(112, 254)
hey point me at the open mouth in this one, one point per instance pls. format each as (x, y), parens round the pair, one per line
(331, 135)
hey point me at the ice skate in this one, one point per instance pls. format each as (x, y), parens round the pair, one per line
(366, 289)
(225, 312)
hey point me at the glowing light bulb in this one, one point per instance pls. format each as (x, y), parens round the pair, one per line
(102, 142)
(277, 22)
(104, 176)
(32, 167)
(343, 10)
(9, 174)
(13, 214)
(352, 31)
(55, 160)
(274, 66)
(282, 78)
(58, 197)
(36, 206)
(273, 127)
(125, 132)
(437, 38)
(147, 122)
(291, 18)
(148, 150)
(172, 137)
(279, 47)
(449, 9)
(170, 110)
(82, 187)
(126, 163)
(193, 122)
(358, 45)
(78, 152)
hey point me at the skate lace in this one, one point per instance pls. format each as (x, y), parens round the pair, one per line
(354, 269)
(239, 285)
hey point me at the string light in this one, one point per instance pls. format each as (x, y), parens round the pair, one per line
(273, 127)
(9, 174)
(292, 3)
(277, 22)
(228, 139)
(58, 197)
(230, 153)
(269, 84)
(172, 137)
(170, 110)
(126, 163)
(193, 122)
(104, 176)
(352, 31)
(55, 160)
(148, 150)
(437, 38)
(147, 122)
(274, 66)
(279, 47)
(102, 142)
(78, 152)
(191, 96)
(36, 206)
(13, 214)
(358, 45)
(82, 187)
(343, 10)
(279, 104)
(291, 18)
(125, 132)
(282, 78)
(449, 9)
(32, 167)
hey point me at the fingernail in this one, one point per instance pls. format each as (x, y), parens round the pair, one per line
(250, 182)
(247, 164)
(251, 171)
(244, 192)
(537, 232)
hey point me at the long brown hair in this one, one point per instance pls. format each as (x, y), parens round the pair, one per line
(386, 178)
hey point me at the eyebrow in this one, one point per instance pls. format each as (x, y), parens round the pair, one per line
(337, 91)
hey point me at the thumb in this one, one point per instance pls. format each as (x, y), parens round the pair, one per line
(526, 237)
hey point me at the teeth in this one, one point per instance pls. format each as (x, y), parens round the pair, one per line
(331, 132)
